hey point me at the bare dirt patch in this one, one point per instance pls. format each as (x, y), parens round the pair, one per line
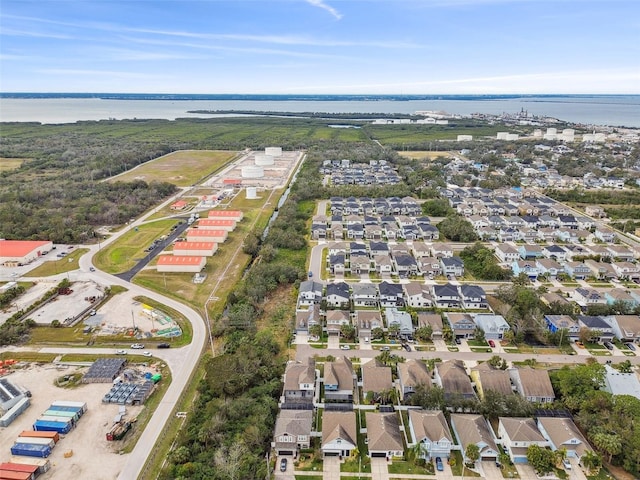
(418, 154)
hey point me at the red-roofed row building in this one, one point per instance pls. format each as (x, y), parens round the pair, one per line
(198, 249)
(217, 224)
(21, 252)
(206, 235)
(236, 215)
(181, 264)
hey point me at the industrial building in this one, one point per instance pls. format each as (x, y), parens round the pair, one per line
(180, 264)
(217, 224)
(196, 249)
(104, 370)
(206, 235)
(236, 215)
(21, 252)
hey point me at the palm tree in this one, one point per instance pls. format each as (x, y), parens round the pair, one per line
(608, 443)
(414, 453)
(592, 462)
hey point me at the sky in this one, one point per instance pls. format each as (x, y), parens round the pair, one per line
(321, 46)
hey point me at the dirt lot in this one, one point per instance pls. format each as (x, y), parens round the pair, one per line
(93, 457)
(64, 306)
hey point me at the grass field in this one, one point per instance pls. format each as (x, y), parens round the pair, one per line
(128, 249)
(398, 135)
(181, 168)
(420, 154)
(7, 164)
(65, 264)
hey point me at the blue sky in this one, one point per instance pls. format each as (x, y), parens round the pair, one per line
(320, 46)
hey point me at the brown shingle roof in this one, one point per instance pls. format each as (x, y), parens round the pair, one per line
(339, 425)
(535, 383)
(298, 372)
(473, 429)
(383, 432)
(561, 431)
(521, 429)
(339, 372)
(376, 377)
(493, 379)
(429, 424)
(414, 372)
(454, 378)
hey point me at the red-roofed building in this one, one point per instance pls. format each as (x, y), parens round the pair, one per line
(232, 181)
(206, 235)
(236, 215)
(197, 249)
(15, 252)
(217, 224)
(180, 264)
(179, 205)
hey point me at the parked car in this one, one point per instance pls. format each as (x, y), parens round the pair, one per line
(492, 344)
(146, 354)
(439, 465)
(121, 352)
(608, 345)
(91, 269)
(407, 347)
(385, 349)
(164, 345)
(458, 341)
(631, 346)
(137, 346)
(283, 465)
(345, 347)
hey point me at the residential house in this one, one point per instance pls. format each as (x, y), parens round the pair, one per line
(528, 267)
(626, 328)
(401, 319)
(507, 253)
(339, 381)
(417, 295)
(429, 232)
(429, 266)
(367, 320)
(376, 378)
(626, 270)
(551, 298)
(391, 294)
(378, 248)
(299, 385)
(533, 384)
(473, 297)
(318, 231)
(493, 326)
(621, 253)
(364, 295)
(488, 378)
(446, 296)
(336, 230)
(618, 383)
(452, 377)
(338, 248)
(548, 267)
(359, 264)
(530, 252)
(433, 320)
(605, 234)
(588, 296)
(405, 265)
(420, 250)
(441, 250)
(600, 270)
(429, 428)
(474, 429)
(292, 432)
(452, 266)
(555, 323)
(596, 324)
(462, 324)
(357, 248)
(577, 270)
(383, 264)
(339, 434)
(563, 434)
(337, 263)
(517, 434)
(384, 438)
(307, 318)
(310, 293)
(335, 320)
(620, 295)
(373, 232)
(412, 373)
(337, 295)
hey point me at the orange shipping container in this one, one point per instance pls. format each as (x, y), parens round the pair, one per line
(55, 436)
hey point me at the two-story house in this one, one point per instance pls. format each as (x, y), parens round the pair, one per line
(430, 430)
(446, 296)
(452, 266)
(339, 381)
(411, 374)
(299, 385)
(364, 295)
(473, 297)
(493, 326)
(517, 434)
(391, 294)
(337, 295)
(533, 384)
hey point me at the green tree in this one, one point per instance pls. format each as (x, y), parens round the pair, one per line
(609, 443)
(315, 330)
(394, 330)
(592, 462)
(541, 459)
(377, 333)
(437, 207)
(472, 453)
(348, 332)
(424, 333)
(457, 229)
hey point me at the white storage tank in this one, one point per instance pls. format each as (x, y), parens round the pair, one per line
(252, 193)
(273, 151)
(253, 171)
(264, 159)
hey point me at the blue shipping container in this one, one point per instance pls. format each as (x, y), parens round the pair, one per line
(61, 408)
(31, 450)
(46, 426)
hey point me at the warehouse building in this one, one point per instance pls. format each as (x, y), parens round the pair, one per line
(180, 264)
(217, 224)
(21, 252)
(195, 249)
(236, 215)
(206, 235)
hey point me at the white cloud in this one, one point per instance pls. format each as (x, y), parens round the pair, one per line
(324, 6)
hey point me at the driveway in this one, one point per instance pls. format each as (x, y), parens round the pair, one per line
(526, 472)
(333, 341)
(490, 470)
(331, 468)
(379, 470)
